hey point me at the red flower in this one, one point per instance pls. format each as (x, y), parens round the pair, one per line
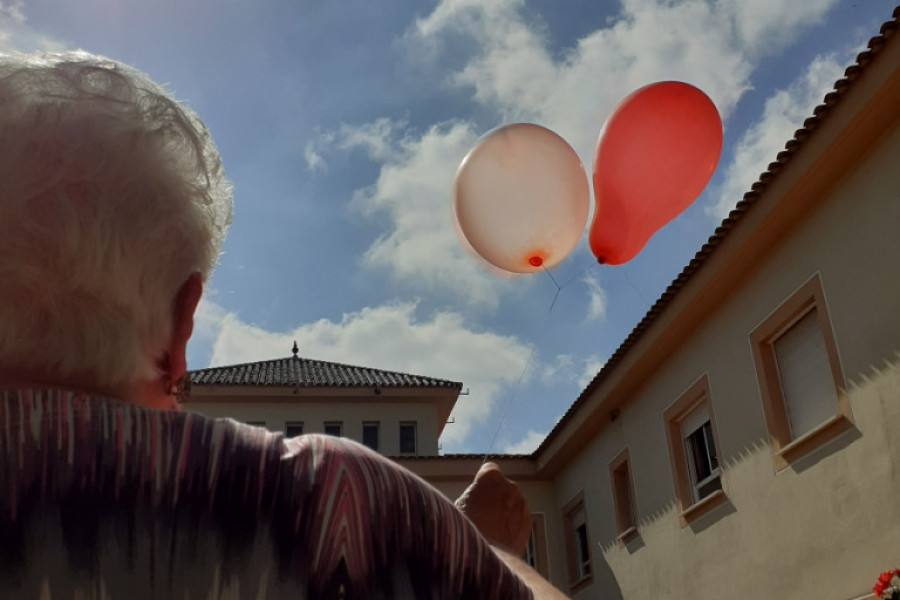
(884, 580)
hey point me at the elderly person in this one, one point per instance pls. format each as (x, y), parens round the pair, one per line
(113, 207)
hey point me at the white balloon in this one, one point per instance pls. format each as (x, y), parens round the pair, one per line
(520, 198)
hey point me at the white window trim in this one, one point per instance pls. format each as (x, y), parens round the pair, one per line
(697, 394)
(785, 447)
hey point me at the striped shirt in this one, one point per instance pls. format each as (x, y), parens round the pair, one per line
(101, 499)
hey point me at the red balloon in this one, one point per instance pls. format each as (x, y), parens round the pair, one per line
(656, 154)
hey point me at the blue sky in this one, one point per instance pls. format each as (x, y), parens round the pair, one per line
(342, 124)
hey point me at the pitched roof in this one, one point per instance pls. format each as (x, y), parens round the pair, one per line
(304, 372)
(852, 73)
(462, 456)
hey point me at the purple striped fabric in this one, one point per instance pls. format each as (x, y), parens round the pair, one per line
(101, 499)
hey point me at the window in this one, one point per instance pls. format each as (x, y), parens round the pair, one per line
(293, 428)
(578, 546)
(799, 375)
(529, 556)
(701, 455)
(408, 438)
(694, 452)
(370, 434)
(535, 554)
(623, 497)
(334, 428)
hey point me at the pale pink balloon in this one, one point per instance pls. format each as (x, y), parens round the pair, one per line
(521, 198)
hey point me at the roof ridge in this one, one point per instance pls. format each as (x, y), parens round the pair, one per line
(364, 375)
(247, 364)
(314, 360)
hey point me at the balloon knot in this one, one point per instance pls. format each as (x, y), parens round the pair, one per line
(535, 261)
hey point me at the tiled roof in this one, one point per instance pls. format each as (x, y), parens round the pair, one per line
(875, 45)
(481, 457)
(304, 372)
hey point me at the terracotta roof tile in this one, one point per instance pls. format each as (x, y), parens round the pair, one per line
(888, 29)
(481, 457)
(303, 372)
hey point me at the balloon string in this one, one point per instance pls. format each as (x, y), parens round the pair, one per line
(578, 275)
(631, 283)
(541, 332)
(518, 384)
(593, 265)
(553, 279)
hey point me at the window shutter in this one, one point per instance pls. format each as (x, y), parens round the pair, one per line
(805, 373)
(694, 420)
(577, 517)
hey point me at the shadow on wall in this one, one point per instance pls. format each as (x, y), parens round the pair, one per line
(606, 579)
(671, 508)
(827, 449)
(875, 389)
(713, 516)
(860, 381)
(865, 379)
(870, 379)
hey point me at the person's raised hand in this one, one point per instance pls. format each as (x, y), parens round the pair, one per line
(497, 508)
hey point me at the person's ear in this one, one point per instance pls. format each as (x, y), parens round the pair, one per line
(183, 309)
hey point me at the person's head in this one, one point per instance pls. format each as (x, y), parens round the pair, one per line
(113, 208)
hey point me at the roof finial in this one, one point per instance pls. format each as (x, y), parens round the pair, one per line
(295, 349)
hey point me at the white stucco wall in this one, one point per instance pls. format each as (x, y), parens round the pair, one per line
(352, 414)
(823, 527)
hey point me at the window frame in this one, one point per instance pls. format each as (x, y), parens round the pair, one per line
(415, 430)
(785, 448)
(537, 544)
(338, 424)
(696, 397)
(706, 437)
(574, 516)
(287, 424)
(377, 426)
(624, 503)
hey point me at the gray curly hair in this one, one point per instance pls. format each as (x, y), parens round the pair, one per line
(111, 195)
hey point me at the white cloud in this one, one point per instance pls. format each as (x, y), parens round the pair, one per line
(784, 113)
(17, 36)
(528, 444)
(208, 317)
(590, 367)
(597, 295)
(13, 12)
(314, 160)
(560, 368)
(208, 321)
(413, 189)
(377, 139)
(566, 369)
(512, 70)
(392, 337)
(381, 140)
(714, 45)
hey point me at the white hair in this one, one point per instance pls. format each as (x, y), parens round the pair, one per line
(111, 195)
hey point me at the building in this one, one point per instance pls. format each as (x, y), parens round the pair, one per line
(393, 413)
(743, 440)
